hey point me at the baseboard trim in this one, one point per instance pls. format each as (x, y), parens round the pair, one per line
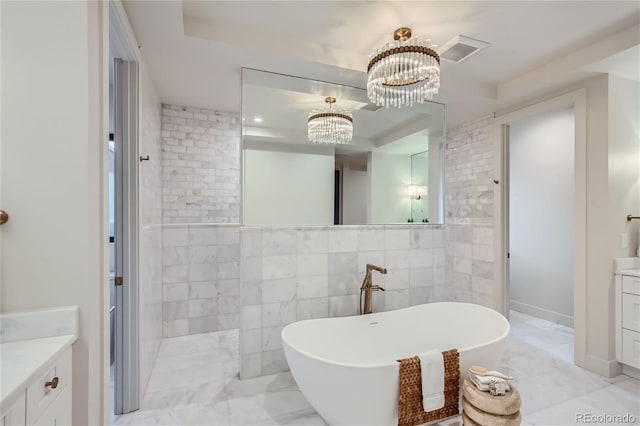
(544, 314)
(627, 370)
(603, 367)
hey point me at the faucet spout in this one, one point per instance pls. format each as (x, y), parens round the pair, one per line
(376, 268)
(368, 288)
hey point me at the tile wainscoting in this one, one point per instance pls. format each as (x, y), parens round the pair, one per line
(201, 278)
(290, 274)
(469, 264)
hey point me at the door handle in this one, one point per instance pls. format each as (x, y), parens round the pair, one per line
(4, 217)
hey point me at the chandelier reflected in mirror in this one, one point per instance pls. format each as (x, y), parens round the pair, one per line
(403, 72)
(328, 125)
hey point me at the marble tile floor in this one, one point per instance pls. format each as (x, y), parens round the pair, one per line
(195, 382)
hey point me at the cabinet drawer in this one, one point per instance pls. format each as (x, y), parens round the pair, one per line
(631, 348)
(59, 412)
(631, 311)
(630, 284)
(39, 395)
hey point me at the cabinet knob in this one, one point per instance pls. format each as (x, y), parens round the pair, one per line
(4, 217)
(53, 383)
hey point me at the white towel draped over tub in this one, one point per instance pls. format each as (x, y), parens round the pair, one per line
(432, 366)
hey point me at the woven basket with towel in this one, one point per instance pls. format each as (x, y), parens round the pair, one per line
(411, 400)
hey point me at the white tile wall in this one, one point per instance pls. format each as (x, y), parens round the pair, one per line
(150, 259)
(201, 278)
(291, 274)
(200, 166)
(200, 190)
(469, 205)
(468, 172)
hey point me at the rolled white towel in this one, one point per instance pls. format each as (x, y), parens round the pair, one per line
(483, 382)
(480, 386)
(432, 371)
(486, 380)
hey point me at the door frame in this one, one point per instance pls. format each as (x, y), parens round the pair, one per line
(127, 345)
(578, 100)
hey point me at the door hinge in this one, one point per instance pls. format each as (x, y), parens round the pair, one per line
(118, 281)
(508, 255)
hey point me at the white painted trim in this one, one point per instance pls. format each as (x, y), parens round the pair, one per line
(102, 130)
(617, 312)
(578, 100)
(546, 314)
(603, 367)
(127, 366)
(123, 45)
(121, 37)
(627, 370)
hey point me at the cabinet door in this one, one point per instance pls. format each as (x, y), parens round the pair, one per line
(15, 415)
(58, 413)
(40, 396)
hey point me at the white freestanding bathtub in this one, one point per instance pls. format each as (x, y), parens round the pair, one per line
(347, 369)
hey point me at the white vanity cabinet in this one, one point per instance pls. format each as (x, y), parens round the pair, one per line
(15, 414)
(45, 400)
(49, 396)
(35, 376)
(628, 318)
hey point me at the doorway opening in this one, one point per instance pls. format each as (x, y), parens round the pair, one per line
(575, 102)
(540, 186)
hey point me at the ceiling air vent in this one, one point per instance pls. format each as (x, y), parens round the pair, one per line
(461, 48)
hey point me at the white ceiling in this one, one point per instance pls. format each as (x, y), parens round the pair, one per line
(194, 50)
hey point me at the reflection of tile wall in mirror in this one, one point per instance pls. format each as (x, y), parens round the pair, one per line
(288, 180)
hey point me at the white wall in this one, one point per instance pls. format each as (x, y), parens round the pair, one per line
(469, 198)
(355, 192)
(390, 176)
(272, 197)
(53, 166)
(541, 201)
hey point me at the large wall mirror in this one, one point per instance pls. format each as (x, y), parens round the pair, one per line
(390, 172)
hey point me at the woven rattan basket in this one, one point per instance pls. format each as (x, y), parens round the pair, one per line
(410, 409)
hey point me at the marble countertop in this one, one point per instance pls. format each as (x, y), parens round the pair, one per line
(29, 341)
(632, 272)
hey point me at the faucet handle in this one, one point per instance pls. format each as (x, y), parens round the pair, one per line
(376, 288)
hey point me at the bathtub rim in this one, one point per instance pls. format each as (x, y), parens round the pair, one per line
(382, 365)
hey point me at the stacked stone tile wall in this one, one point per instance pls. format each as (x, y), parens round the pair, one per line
(200, 166)
(469, 211)
(200, 216)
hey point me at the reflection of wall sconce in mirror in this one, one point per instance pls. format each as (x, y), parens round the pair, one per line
(417, 192)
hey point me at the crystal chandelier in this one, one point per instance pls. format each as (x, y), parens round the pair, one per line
(329, 125)
(403, 72)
